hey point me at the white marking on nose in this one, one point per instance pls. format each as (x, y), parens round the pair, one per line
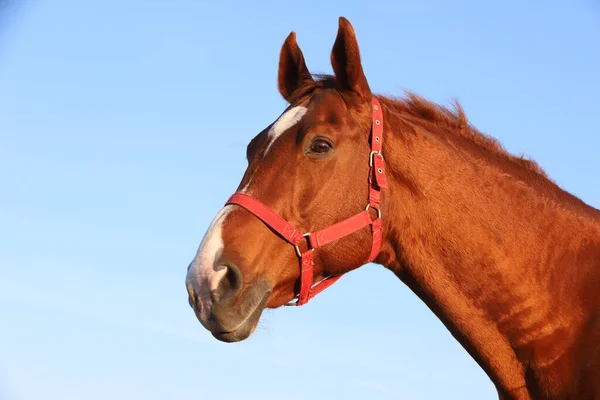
(285, 122)
(205, 273)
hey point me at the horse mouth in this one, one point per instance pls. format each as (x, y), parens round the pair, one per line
(230, 337)
(247, 327)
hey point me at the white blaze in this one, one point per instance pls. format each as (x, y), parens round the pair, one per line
(285, 122)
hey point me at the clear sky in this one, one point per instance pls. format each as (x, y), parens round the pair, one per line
(123, 127)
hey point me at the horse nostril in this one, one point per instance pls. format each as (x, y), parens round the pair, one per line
(194, 303)
(192, 297)
(234, 277)
(229, 285)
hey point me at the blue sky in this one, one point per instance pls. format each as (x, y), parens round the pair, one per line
(123, 128)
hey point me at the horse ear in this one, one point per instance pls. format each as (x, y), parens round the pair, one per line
(292, 68)
(345, 59)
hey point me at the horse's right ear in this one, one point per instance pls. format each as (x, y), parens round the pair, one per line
(293, 73)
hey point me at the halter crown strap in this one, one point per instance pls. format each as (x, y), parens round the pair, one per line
(377, 181)
(377, 177)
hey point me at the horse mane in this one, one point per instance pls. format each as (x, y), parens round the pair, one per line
(455, 120)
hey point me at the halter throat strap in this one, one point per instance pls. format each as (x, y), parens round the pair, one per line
(377, 181)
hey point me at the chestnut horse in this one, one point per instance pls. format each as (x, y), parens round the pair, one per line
(506, 259)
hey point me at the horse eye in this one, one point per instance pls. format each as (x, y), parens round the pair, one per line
(320, 146)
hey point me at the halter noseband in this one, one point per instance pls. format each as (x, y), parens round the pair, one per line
(377, 181)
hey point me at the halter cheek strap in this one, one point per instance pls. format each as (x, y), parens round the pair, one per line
(377, 181)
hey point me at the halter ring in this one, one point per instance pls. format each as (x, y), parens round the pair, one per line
(298, 252)
(378, 210)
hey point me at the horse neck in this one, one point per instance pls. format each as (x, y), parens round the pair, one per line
(498, 252)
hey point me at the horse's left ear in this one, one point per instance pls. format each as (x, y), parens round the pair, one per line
(345, 59)
(293, 73)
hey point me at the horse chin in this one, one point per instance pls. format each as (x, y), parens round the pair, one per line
(246, 328)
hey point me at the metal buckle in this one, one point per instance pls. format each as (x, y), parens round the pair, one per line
(372, 154)
(298, 252)
(378, 210)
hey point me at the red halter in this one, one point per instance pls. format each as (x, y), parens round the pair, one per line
(377, 181)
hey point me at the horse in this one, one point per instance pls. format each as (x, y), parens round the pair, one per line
(505, 258)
